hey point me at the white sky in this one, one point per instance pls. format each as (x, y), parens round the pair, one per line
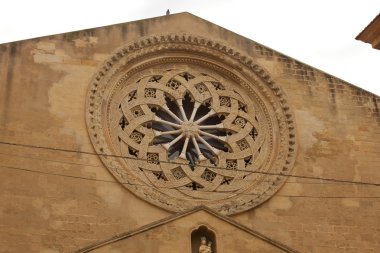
(320, 33)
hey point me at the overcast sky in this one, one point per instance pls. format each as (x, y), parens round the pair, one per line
(320, 33)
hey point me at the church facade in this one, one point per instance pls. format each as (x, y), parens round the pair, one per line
(174, 134)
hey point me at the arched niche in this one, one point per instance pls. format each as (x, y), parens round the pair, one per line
(202, 233)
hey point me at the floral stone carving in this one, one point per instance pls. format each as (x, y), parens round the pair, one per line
(183, 121)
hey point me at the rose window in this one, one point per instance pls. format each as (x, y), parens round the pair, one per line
(183, 121)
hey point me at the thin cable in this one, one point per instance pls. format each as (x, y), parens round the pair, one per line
(202, 166)
(64, 175)
(116, 182)
(50, 160)
(100, 166)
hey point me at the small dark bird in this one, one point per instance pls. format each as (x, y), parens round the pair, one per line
(167, 12)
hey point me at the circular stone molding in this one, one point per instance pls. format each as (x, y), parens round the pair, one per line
(182, 120)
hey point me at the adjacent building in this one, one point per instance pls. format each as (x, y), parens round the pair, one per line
(371, 34)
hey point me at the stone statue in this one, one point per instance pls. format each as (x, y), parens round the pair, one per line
(205, 247)
(209, 247)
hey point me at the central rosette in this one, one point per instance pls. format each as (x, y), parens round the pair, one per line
(189, 130)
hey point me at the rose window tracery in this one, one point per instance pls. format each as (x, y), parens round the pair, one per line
(191, 128)
(186, 129)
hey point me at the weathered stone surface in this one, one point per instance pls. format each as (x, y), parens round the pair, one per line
(73, 200)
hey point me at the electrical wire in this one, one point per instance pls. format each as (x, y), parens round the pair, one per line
(134, 184)
(100, 166)
(204, 166)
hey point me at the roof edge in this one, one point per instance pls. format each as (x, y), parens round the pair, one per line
(362, 34)
(195, 16)
(95, 27)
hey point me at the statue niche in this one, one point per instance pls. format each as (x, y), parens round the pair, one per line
(203, 241)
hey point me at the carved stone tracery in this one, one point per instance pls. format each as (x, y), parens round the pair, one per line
(191, 130)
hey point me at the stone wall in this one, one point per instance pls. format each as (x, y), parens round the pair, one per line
(338, 134)
(58, 201)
